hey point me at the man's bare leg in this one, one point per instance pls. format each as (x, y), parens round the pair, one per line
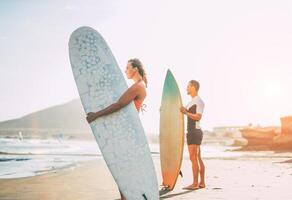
(193, 150)
(202, 170)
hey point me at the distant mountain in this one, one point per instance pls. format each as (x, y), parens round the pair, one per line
(66, 116)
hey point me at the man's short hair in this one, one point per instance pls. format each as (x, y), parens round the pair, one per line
(195, 83)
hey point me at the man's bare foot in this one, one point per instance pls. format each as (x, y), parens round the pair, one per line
(202, 185)
(191, 187)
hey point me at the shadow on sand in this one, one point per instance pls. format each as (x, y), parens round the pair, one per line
(175, 194)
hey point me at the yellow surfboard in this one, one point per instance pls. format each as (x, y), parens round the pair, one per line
(171, 132)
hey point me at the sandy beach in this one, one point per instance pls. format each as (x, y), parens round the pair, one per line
(246, 177)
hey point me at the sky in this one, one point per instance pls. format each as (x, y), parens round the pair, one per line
(240, 52)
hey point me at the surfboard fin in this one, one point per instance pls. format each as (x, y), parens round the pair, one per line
(144, 196)
(181, 174)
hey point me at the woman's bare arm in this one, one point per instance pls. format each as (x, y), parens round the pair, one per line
(124, 100)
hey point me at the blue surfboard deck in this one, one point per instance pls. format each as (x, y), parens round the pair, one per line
(120, 135)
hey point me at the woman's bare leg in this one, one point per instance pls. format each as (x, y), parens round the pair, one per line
(122, 196)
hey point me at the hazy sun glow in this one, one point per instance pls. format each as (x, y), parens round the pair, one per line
(272, 89)
(240, 51)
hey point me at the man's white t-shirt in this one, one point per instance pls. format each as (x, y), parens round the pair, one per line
(199, 103)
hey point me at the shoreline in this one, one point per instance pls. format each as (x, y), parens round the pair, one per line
(241, 178)
(225, 155)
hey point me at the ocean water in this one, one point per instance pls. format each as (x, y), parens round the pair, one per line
(23, 158)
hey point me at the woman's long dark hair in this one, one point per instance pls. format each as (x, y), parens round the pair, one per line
(136, 63)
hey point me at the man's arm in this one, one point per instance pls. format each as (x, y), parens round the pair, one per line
(195, 117)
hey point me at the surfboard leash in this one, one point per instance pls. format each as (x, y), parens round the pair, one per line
(181, 174)
(145, 198)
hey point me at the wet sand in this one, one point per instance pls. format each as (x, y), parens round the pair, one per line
(226, 178)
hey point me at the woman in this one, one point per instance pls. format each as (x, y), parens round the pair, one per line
(136, 93)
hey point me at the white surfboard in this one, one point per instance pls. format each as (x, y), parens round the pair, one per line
(120, 135)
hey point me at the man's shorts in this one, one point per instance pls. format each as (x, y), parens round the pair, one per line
(195, 137)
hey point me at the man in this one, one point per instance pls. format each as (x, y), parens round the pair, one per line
(194, 111)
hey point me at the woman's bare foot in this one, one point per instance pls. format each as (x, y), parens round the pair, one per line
(202, 185)
(191, 187)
